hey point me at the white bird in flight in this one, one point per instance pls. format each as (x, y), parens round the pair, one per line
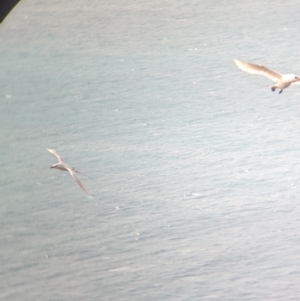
(283, 80)
(62, 165)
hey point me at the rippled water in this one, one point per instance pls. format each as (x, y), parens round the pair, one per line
(197, 162)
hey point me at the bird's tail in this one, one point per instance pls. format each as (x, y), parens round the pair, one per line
(86, 176)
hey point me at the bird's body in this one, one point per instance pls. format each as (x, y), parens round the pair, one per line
(283, 81)
(62, 165)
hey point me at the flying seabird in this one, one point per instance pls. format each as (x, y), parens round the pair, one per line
(62, 165)
(283, 80)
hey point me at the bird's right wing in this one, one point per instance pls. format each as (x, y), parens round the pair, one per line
(53, 151)
(73, 174)
(258, 69)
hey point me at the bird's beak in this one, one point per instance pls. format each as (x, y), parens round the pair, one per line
(50, 167)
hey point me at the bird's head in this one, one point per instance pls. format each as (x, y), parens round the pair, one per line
(53, 166)
(297, 78)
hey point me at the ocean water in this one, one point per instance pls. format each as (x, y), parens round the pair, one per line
(197, 162)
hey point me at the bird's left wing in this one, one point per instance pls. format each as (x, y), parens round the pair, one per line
(258, 69)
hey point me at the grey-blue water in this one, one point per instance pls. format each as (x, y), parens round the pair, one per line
(198, 163)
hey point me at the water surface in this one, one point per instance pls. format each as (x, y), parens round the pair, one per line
(198, 163)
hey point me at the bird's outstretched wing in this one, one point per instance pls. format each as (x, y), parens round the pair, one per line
(258, 69)
(73, 174)
(53, 151)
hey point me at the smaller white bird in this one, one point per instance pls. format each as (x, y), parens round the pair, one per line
(283, 80)
(62, 165)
